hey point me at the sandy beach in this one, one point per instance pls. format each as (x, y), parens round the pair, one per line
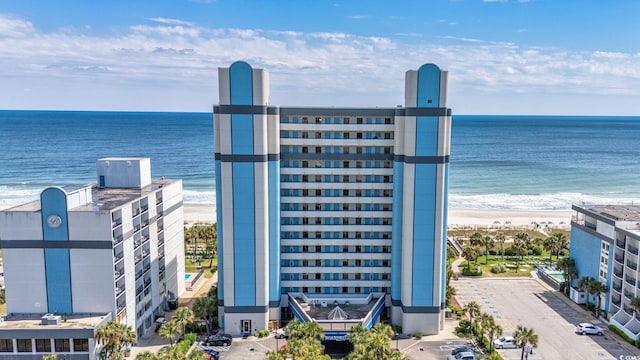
(206, 213)
(457, 217)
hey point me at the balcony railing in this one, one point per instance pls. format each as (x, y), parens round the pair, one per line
(137, 259)
(632, 265)
(630, 281)
(119, 257)
(620, 259)
(618, 273)
(633, 250)
(617, 287)
(616, 302)
(621, 243)
(118, 239)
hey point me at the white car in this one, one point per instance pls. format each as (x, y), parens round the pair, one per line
(465, 355)
(505, 342)
(588, 328)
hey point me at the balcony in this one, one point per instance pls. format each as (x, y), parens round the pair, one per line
(139, 290)
(160, 228)
(160, 213)
(116, 222)
(137, 259)
(633, 250)
(630, 281)
(146, 268)
(137, 243)
(118, 274)
(145, 208)
(138, 275)
(617, 273)
(632, 265)
(616, 302)
(119, 257)
(620, 259)
(617, 288)
(119, 290)
(117, 239)
(135, 212)
(621, 244)
(628, 294)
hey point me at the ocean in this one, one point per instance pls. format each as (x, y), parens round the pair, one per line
(497, 162)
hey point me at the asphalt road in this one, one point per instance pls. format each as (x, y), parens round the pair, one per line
(525, 301)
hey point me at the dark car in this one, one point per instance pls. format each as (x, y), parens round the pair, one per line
(211, 354)
(218, 340)
(471, 349)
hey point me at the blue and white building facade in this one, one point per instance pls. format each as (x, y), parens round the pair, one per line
(331, 202)
(114, 247)
(604, 245)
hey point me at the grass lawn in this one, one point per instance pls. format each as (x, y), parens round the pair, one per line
(523, 269)
(191, 266)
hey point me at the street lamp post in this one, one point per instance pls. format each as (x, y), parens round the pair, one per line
(397, 340)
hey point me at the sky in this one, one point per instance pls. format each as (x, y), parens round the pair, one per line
(533, 57)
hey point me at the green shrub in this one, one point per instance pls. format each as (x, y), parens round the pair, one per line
(473, 271)
(463, 329)
(397, 329)
(618, 331)
(493, 252)
(418, 335)
(498, 268)
(537, 251)
(190, 337)
(262, 333)
(194, 327)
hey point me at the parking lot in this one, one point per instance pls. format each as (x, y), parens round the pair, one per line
(525, 301)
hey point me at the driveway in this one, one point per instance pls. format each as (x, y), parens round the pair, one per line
(527, 302)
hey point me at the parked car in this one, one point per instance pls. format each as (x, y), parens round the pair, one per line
(465, 355)
(211, 354)
(280, 334)
(159, 322)
(505, 342)
(460, 349)
(218, 340)
(590, 329)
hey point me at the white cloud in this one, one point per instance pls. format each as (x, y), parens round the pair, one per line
(173, 66)
(170, 21)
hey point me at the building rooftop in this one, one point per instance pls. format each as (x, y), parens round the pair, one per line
(34, 321)
(326, 306)
(617, 212)
(103, 199)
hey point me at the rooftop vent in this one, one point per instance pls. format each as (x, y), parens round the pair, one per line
(51, 319)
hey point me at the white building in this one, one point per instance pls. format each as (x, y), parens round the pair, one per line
(112, 250)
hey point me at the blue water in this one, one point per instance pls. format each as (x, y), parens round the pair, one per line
(507, 162)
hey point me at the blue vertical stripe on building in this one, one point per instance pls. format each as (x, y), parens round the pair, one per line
(423, 234)
(274, 230)
(244, 234)
(242, 134)
(220, 241)
(445, 220)
(241, 83)
(428, 86)
(426, 136)
(396, 240)
(57, 267)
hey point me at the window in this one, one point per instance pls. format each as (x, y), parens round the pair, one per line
(345, 263)
(345, 150)
(345, 289)
(345, 164)
(345, 120)
(359, 135)
(305, 276)
(6, 345)
(43, 345)
(385, 276)
(318, 290)
(305, 164)
(358, 221)
(318, 192)
(385, 249)
(345, 135)
(305, 235)
(80, 345)
(318, 150)
(345, 178)
(358, 249)
(358, 276)
(62, 345)
(305, 192)
(358, 262)
(318, 120)
(305, 178)
(345, 221)
(305, 207)
(305, 221)
(305, 135)
(318, 236)
(387, 121)
(305, 149)
(305, 248)
(318, 247)
(345, 249)
(385, 262)
(24, 345)
(345, 276)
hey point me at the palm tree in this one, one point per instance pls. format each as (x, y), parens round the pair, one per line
(450, 292)
(597, 289)
(494, 331)
(484, 319)
(146, 355)
(501, 239)
(169, 330)
(196, 355)
(114, 338)
(523, 236)
(475, 239)
(473, 309)
(469, 254)
(634, 304)
(524, 336)
(183, 316)
(206, 308)
(520, 247)
(488, 243)
(560, 242)
(584, 286)
(569, 270)
(549, 245)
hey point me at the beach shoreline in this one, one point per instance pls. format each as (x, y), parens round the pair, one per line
(206, 214)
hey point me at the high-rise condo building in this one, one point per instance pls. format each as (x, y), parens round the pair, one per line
(333, 215)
